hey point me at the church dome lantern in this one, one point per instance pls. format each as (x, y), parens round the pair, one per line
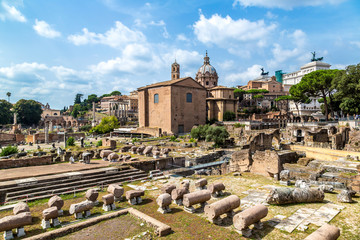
(207, 75)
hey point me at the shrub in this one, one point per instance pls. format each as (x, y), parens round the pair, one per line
(85, 128)
(199, 132)
(70, 141)
(106, 125)
(8, 151)
(229, 116)
(192, 140)
(174, 139)
(217, 134)
(211, 121)
(239, 125)
(99, 143)
(134, 140)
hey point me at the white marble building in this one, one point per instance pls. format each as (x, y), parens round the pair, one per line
(293, 78)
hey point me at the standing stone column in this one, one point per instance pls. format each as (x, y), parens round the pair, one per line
(46, 132)
(93, 115)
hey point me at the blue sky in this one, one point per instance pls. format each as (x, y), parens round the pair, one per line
(51, 50)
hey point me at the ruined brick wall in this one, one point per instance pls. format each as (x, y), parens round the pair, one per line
(266, 163)
(109, 143)
(6, 138)
(25, 162)
(240, 161)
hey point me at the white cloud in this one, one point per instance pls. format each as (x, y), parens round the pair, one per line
(243, 77)
(45, 30)
(182, 37)
(356, 43)
(285, 4)
(11, 13)
(270, 15)
(159, 23)
(224, 31)
(281, 55)
(116, 37)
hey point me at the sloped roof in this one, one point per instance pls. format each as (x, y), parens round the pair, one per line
(168, 83)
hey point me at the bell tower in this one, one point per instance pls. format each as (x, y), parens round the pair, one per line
(175, 70)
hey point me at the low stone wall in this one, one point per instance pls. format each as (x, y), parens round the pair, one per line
(154, 164)
(40, 137)
(211, 157)
(324, 154)
(25, 162)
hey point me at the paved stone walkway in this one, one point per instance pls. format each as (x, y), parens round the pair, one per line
(34, 171)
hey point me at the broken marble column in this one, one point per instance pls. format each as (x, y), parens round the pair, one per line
(17, 222)
(56, 201)
(201, 184)
(156, 154)
(140, 150)
(285, 177)
(327, 188)
(147, 151)
(295, 195)
(193, 198)
(113, 157)
(105, 153)
(344, 196)
(134, 196)
(250, 216)
(216, 189)
(164, 201)
(82, 207)
(165, 152)
(167, 188)
(117, 191)
(108, 201)
(301, 184)
(178, 194)
(226, 205)
(50, 216)
(133, 149)
(21, 207)
(325, 232)
(185, 184)
(92, 195)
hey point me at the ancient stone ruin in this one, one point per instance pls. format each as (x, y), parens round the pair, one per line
(226, 205)
(250, 216)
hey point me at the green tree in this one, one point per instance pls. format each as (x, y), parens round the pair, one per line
(28, 111)
(217, 134)
(199, 132)
(239, 93)
(106, 125)
(76, 110)
(256, 91)
(229, 116)
(115, 93)
(78, 98)
(347, 85)
(5, 112)
(319, 84)
(8, 94)
(298, 96)
(283, 101)
(8, 151)
(92, 98)
(70, 141)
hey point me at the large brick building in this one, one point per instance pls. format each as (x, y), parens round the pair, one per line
(172, 107)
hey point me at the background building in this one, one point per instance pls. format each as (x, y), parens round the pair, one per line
(206, 75)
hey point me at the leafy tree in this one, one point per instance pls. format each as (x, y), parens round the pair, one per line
(115, 93)
(28, 111)
(85, 128)
(5, 112)
(319, 84)
(105, 95)
(256, 91)
(229, 116)
(298, 96)
(284, 101)
(347, 87)
(92, 98)
(217, 134)
(76, 110)
(239, 93)
(99, 143)
(70, 141)
(78, 98)
(8, 151)
(199, 132)
(106, 125)
(8, 94)
(258, 96)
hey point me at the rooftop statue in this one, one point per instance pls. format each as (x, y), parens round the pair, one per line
(314, 59)
(263, 73)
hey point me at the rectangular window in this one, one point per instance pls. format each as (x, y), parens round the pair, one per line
(188, 97)
(156, 98)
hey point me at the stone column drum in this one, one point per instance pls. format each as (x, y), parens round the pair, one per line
(250, 216)
(226, 205)
(193, 198)
(164, 201)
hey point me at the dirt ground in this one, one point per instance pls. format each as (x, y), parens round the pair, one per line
(122, 227)
(196, 226)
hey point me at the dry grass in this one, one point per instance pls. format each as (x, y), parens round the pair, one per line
(195, 226)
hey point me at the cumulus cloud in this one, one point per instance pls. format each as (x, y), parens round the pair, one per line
(182, 37)
(280, 54)
(117, 37)
(11, 13)
(219, 30)
(285, 4)
(233, 35)
(45, 30)
(242, 78)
